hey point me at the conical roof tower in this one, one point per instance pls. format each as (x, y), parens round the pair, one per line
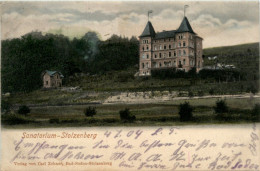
(148, 30)
(185, 26)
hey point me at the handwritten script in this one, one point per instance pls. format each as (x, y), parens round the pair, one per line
(156, 148)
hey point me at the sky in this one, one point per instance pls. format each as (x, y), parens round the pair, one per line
(218, 23)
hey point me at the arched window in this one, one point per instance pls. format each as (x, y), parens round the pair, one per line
(170, 54)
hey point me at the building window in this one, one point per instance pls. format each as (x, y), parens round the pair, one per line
(179, 45)
(46, 82)
(155, 47)
(164, 47)
(143, 48)
(174, 46)
(184, 61)
(160, 55)
(174, 53)
(147, 65)
(147, 48)
(155, 55)
(184, 52)
(160, 64)
(143, 56)
(160, 47)
(174, 63)
(184, 44)
(164, 55)
(179, 54)
(170, 46)
(170, 54)
(147, 56)
(142, 65)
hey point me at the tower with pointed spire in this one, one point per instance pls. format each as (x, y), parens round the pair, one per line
(180, 49)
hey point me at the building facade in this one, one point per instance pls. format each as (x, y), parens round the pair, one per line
(52, 79)
(180, 49)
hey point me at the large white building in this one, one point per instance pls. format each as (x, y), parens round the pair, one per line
(180, 49)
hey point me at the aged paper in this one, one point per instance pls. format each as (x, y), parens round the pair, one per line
(56, 134)
(209, 147)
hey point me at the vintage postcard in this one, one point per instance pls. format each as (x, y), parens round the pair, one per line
(130, 85)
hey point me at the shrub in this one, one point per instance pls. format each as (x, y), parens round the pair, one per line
(190, 94)
(185, 112)
(221, 107)
(14, 119)
(200, 93)
(24, 110)
(211, 91)
(54, 120)
(125, 115)
(5, 106)
(255, 114)
(90, 111)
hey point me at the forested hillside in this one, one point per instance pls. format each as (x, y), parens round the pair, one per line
(24, 59)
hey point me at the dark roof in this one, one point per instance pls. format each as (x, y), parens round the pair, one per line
(185, 26)
(165, 34)
(51, 73)
(148, 30)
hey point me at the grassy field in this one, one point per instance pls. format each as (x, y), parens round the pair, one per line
(163, 114)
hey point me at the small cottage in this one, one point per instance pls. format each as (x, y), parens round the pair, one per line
(52, 79)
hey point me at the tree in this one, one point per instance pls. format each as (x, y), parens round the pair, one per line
(90, 111)
(255, 114)
(125, 115)
(24, 110)
(185, 112)
(221, 107)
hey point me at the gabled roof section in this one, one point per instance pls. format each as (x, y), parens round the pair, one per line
(148, 30)
(185, 26)
(165, 34)
(51, 73)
